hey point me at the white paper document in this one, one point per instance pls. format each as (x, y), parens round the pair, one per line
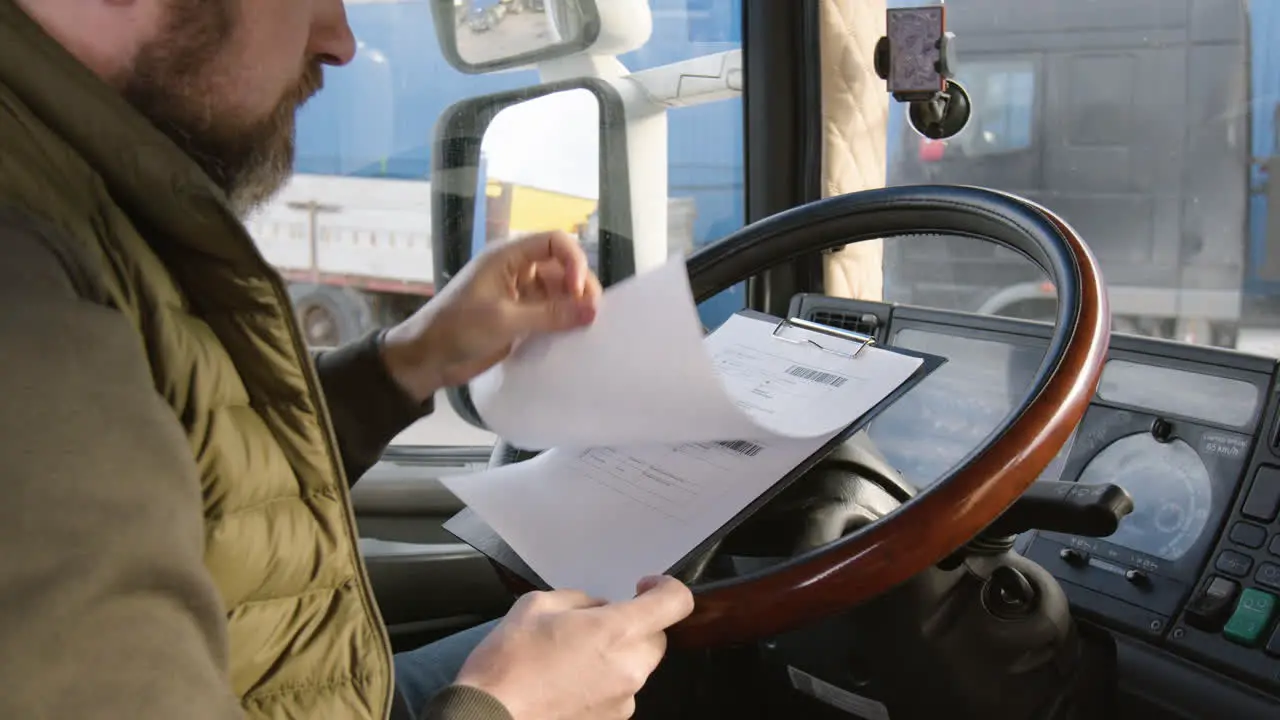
(641, 373)
(659, 444)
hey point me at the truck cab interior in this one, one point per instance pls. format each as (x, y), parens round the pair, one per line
(1075, 516)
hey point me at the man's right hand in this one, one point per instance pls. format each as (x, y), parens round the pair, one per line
(565, 656)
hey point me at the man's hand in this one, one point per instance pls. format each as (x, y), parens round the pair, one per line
(539, 283)
(564, 656)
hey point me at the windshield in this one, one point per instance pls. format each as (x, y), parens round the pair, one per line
(1146, 124)
(1149, 125)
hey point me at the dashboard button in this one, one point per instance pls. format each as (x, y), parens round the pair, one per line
(1209, 608)
(1263, 500)
(1268, 575)
(1250, 536)
(1274, 548)
(1233, 563)
(1273, 645)
(1251, 618)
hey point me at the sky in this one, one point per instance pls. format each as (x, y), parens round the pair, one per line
(551, 142)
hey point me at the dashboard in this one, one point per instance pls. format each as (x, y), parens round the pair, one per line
(1190, 432)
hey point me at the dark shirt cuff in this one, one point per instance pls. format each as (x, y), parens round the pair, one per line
(368, 408)
(462, 702)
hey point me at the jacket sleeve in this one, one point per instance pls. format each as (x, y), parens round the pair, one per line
(460, 702)
(106, 608)
(367, 407)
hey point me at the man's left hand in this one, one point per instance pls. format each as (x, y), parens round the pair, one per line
(539, 283)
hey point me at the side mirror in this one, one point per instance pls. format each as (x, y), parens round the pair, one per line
(478, 36)
(549, 157)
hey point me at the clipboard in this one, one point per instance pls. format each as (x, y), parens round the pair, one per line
(470, 528)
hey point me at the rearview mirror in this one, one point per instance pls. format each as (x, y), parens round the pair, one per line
(478, 36)
(550, 157)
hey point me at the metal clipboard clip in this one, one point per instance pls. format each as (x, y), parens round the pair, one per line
(862, 340)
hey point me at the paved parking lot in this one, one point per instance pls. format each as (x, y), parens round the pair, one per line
(514, 34)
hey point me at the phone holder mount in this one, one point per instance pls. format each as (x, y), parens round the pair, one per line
(934, 113)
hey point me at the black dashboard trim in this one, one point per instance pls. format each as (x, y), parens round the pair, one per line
(1185, 689)
(806, 303)
(1182, 670)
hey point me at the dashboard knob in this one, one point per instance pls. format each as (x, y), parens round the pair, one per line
(1137, 577)
(1073, 557)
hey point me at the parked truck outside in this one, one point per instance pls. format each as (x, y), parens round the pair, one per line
(352, 230)
(1118, 131)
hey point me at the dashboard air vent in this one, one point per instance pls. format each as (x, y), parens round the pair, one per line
(863, 323)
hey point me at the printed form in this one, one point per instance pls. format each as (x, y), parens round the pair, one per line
(657, 435)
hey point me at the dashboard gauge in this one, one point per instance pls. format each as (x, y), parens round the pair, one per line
(1171, 489)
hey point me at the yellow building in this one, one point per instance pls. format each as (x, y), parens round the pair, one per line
(534, 210)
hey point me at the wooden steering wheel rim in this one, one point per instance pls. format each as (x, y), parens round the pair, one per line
(945, 516)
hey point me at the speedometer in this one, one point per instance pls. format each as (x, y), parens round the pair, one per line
(1171, 491)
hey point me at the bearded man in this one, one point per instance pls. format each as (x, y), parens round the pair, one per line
(176, 539)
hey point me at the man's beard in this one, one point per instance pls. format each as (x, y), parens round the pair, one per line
(174, 81)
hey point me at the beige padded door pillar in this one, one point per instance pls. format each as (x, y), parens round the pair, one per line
(855, 110)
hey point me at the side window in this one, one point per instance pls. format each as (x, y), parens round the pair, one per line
(1003, 95)
(352, 231)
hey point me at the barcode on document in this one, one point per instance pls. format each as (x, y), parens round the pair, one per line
(742, 447)
(818, 376)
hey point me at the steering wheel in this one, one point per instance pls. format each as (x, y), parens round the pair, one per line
(933, 524)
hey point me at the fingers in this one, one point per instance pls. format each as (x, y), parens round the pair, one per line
(555, 601)
(555, 245)
(652, 650)
(643, 654)
(549, 279)
(555, 287)
(647, 583)
(543, 280)
(539, 283)
(663, 602)
(549, 315)
(593, 288)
